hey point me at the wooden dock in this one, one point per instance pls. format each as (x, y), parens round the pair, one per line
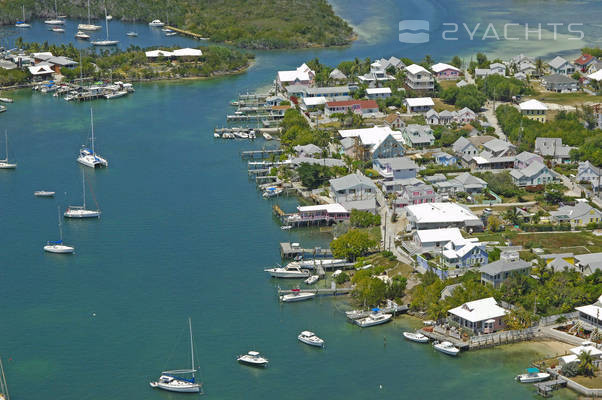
(318, 292)
(288, 251)
(546, 388)
(443, 338)
(254, 154)
(187, 33)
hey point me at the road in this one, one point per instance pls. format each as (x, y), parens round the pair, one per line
(491, 117)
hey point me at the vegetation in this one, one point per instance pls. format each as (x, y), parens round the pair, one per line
(313, 176)
(296, 131)
(466, 96)
(372, 291)
(257, 24)
(352, 244)
(501, 88)
(364, 219)
(500, 183)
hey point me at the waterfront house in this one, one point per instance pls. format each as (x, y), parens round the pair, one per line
(589, 263)
(419, 193)
(58, 63)
(442, 215)
(312, 104)
(323, 213)
(497, 272)
(535, 174)
(303, 75)
(554, 149)
(297, 91)
(524, 159)
(534, 110)
(418, 136)
(395, 168)
(418, 78)
(394, 121)
(499, 148)
(375, 142)
(560, 83)
(352, 187)
(561, 66)
(480, 316)
(443, 158)
(308, 150)
(418, 104)
(444, 71)
(584, 61)
(366, 108)
(591, 314)
(587, 172)
(498, 68)
(378, 73)
(578, 215)
(40, 72)
(378, 93)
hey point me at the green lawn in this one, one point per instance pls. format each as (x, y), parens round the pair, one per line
(554, 242)
(569, 99)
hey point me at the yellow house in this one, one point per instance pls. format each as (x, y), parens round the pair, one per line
(534, 110)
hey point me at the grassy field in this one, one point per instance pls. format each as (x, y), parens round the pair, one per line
(568, 99)
(440, 105)
(551, 242)
(594, 382)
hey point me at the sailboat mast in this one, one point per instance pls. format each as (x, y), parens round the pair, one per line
(23, 5)
(84, 188)
(107, 23)
(56, 10)
(191, 346)
(89, 12)
(58, 209)
(92, 125)
(6, 144)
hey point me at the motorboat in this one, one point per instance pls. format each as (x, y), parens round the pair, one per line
(252, 134)
(116, 95)
(416, 337)
(297, 295)
(286, 227)
(267, 136)
(446, 348)
(57, 29)
(2, 108)
(171, 381)
(58, 247)
(6, 100)
(166, 30)
(4, 164)
(253, 358)
(82, 35)
(109, 17)
(216, 135)
(22, 24)
(311, 339)
(287, 272)
(156, 23)
(168, 34)
(533, 375)
(43, 193)
(375, 318)
(81, 211)
(89, 157)
(313, 263)
(272, 191)
(132, 34)
(312, 279)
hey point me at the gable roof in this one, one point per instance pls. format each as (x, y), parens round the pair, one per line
(479, 310)
(497, 145)
(350, 181)
(499, 266)
(419, 102)
(557, 62)
(337, 74)
(461, 144)
(398, 163)
(439, 67)
(558, 78)
(533, 105)
(416, 69)
(584, 59)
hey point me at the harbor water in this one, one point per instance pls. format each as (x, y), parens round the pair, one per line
(184, 233)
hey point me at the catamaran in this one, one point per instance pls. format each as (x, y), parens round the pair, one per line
(4, 164)
(172, 382)
(88, 157)
(106, 42)
(89, 26)
(58, 246)
(22, 24)
(81, 211)
(56, 20)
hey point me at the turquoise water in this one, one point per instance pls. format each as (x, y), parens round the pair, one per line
(185, 233)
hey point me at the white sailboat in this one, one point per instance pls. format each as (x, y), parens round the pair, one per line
(88, 157)
(81, 211)
(106, 42)
(3, 385)
(89, 26)
(56, 20)
(23, 24)
(58, 247)
(4, 164)
(172, 382)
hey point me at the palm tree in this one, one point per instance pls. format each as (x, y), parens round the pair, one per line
(539, 66)
(586, 364)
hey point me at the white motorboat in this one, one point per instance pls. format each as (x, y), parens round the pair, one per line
(116, 95)
(297, 295)
(89, 157)
(2, 109)
(416, 337)
(81, 211)
(22, 24)
(156, 23)
(312, 279)
(287, 272)
(446, 348)
(132, 34)
(253, 358)
(4, 164)
(57, 29)
(216, 135)
(109, 17)
(375, 318)
(272, 192)
(105, 42)
(43, 193)
(171, 381)
(82, 35)
(6, 100)
(286, 227)
(311, 339)
(267, 136)
(168, 34)
(533, 375)
(58, 247)
(89, 27)
(166, 30)
(313, 263)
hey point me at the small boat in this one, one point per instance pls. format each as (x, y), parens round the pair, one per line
(272, 192)
(6, 100)
(287, 272)
(252, 134)
(89, 157)
(311, 339)
(54, 22)
(22, 24)
(297, 295)
(172, 382)
(57, 29)
(286, 227)
(58, 247)
(116, 95)
(253, 358)
(81, 211)
(446, 348)
(416, 337)
(267, 136)
(533, 375)
(109, 17)
(375, 318)
(2, 108)
(4, 164)
(167, 30)
(132, 34)
(216, 135)
(171, 34)
(43, 193)
(82, 35)
(312, 279)
(156, 23)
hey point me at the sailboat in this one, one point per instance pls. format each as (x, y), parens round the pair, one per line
(55, 21)
(4, 164)
(172, 382)
(88, 157)
(57, 246)
(133, 33)
(22, 24)
(3, 385)
(81, 211)
(89, 26)
(106, 42)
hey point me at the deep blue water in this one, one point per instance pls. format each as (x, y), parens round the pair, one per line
(185, 233)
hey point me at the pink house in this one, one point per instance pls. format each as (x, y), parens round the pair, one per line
(445, 71)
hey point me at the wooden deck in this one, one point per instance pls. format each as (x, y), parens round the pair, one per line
(287, 251)
(187, 33)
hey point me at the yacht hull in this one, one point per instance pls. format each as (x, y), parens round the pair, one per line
(192, 388)
(59, 249)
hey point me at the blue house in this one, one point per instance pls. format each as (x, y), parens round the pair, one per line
(443, 158)
(464, 253)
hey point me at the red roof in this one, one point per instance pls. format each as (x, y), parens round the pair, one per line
(584, 59)
(348, 103)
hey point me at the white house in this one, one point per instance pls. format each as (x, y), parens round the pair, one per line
(534, 109)
(418, 104)
(418, 78)
(480, 316)
(300, 76)
(442, 215)
(378, 93)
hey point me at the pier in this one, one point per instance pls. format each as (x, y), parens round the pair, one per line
(546, 388)
(292, 250)
(445, 338)
(318, 292)
(187, 33)
(260, 153)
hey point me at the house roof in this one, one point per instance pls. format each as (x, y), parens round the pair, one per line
(329, 162)
(533, 105)
(461, 144)
(466, 178)
(419, 102)
(308, 149)
(337, 74)
(591, 350)
(330, 208)
(351, 180)
(584, 59)
(314, 101)
(557, 62)
(419, 134)
(391, 118)
(188, 52)
(416, 69)
(292, 76)
(499, 266)
(482, 71)
(479, 310)
(384, 90)
(533, 169)
(440, 213)
(348, 103)
(334, 90)
(526, 156)
(593, 260)
(40, 70)
(442, 67)
(361, 205)
(558, 79)
(497, 145)
(398, 163)
(158, 53)
(596, 76)
(559, 264)
(439, 235)
(62, 61)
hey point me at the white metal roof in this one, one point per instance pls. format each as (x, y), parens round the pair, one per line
(479, 310)
(596, 76)
(440, 212)
(442, 67)
(416, 69)
(329, 208)
(158, 53)
(187, 52)
(593, 351)
(439, 235)
(314, 101)
(419, 101)
(384, 90)
(533, 105)
(40, 70)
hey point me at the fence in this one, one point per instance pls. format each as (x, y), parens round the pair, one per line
(503, 337)
(551, 320)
